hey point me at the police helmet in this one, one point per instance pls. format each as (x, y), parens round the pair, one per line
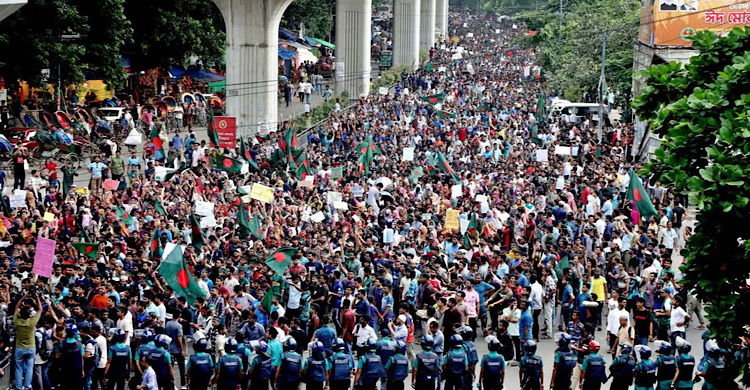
(231, 345)
(385, 332)
(118, 336)
(371, 344)
(594, 346)
(625, 348)
(427, 342)
(400, 347)
(200, 345)
(493, 343)
(644, 352)
(338, 345)
(664, 348)
(262, 347)
(466, 333)
(564, 340)
(457, 341)
(529, 347)
(290, 344)
(71, 330)
(148, 335)
(318, 347)
(162, 340)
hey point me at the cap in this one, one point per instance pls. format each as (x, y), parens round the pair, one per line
(402, 318)
(513, 300)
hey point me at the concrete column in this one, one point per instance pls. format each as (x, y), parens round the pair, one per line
(252, 62)
(406, 33)
(427, 25)
(353, 36)
(441, 18)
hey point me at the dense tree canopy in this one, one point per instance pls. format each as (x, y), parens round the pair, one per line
(700, 111)
(317, 15)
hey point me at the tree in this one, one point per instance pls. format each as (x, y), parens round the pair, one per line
(172, 32)
(315, 14)
(33, 41)
(700, 111)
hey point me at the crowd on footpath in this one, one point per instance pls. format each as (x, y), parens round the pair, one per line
(385, 288)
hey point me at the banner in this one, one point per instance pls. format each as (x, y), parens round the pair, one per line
(226, 128)
(451, 219)
(44, 257)
(670, 22)
(261, 193)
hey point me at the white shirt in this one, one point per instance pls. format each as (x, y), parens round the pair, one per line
(536, 296)
(364, 333)
(677, 316)
(513, 329)
(668, 237)
(613, 319)
(103, 348)
(126, 324)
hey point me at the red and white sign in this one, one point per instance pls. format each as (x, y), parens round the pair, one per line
(226, 129)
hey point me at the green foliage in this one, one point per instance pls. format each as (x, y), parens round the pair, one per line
(317, 15)
(511, 7)
(32, 41)
(171, 32)
(388, 78)
(700, 111)
(571, 56)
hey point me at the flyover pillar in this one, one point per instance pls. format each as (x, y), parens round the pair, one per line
(441, 18)
(353, 41)
(252, 62)
(406, 32)
(427, 25)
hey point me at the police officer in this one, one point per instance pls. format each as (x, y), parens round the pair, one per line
(289, 372)
(339, 377)
(471, 353)
(713, 368)
(200, 366)
(621, 369)
(531, 373)
(228, 367)
(147, 346)
(315, 368)
(492, 367)
(565, 362)
(592, 369)
(370, 368)
(161, 361)
(645, 370)
(261, 368)
(397, 367)
(244, 350)
(426, 367)
(665, 366)
(70, 357)
(117, 370)
(455, 364)
(386, 348)
(685, 362)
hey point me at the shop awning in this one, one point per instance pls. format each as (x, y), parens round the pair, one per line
(286, 34)
(324, 43)
(286, 54)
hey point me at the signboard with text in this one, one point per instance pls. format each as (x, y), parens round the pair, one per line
(226, 128)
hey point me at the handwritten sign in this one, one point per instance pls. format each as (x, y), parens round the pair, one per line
(308, 182)
(451, 219)
(318, 217)
(358, 191)
(204, 209)
(17, 201)
(333, 197)
(563, 150)
(456, 191)
(261, 193)
(341, 205)
(408, 154)
(111, 185)
(49, 217)
(541, 155)
(207, 222)
(44, 257)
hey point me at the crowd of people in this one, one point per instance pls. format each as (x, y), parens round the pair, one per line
(384, 285)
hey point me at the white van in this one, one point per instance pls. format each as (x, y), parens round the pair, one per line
(577, 112)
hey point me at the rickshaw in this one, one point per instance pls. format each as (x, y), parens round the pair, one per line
(85, 116)
(63, 119)
(188, 98)
(56, 147)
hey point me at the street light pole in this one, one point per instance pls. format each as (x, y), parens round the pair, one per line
(601, 90)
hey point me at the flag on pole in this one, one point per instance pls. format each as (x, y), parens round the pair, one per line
(471, 230)
(255, 227)
(124, 216)
(637, 193)
(443, 115)
(243, 223)
(445, 167)
(87, 248)
(160, 207)
(178, 275)
(227, 164)
(213, 136)
(196, 232)
(365, 158)
(156, 249)
(434, 99)
(280, 259)
(267, 301)
(337, 173)
(244, 151)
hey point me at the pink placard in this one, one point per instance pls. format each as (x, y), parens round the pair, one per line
(111, 185)
(44, 257)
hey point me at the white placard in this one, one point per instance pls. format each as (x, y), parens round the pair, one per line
(484, 207)
(207, 222)
(464, 224)
(204, 209)
(469, 35)
(333, 197)
(515, 26)
(387, 236)
(358, 191)
(340, 206)
(308, 182)
(466, 24)
(383, 91)
(564, 150)
(456, 191)
(246, 198)
(318, 217)
(541, 155)
(497, 31)
(480, 198)
(442, 69)
(574, 150)
(408, 154)
(20, 192)
(17, 201)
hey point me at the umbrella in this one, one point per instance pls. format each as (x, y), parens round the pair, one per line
(5, 144)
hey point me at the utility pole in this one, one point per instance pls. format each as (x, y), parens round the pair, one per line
(601, 90)
(479, 5)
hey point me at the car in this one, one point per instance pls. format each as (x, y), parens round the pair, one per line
(110, 114)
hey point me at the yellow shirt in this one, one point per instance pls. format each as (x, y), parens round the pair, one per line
(597, 287)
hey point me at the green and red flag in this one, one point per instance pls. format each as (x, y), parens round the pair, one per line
(337, 173)
(160, 207)
(637, 193)
(369, 142)
(156, 244)
(124, 216)
(196, 232)
(560, 267)
(242, 221)
(213, 136)
(434, 99)
(365, 159)
(255, 227)
(227, 164)
(267, 301)
(443, 115)
(178, 275)
(87, 248)
(484, 107)
(158, 143)
(244, 151)
(289, 141)
(281, 259)
(471, 231)
(445, 167)
(301, 172)
(429, 66)
(416, 173)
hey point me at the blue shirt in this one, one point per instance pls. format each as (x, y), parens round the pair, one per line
(96, 169)
(525, 321)
(177, 142)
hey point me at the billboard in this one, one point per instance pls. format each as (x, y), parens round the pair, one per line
(669, 22)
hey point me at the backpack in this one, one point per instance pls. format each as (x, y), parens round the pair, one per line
(97, 352)
(44, 345)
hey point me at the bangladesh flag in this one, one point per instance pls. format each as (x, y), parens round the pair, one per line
(289, 141)
(267, 301)
(432, 163)
(301, 172)
(124, 216)
(369, 142)
(160, 207)
(471, 230)
(559, 267)
(639, 196)
(243, 223)
(280, 259)
(301, 159)
(156, 250)
(178, 275)
(535, 135)
(244, 151)
(158, 143)
(213, 136)
(429, 66)
(337, 173)
(443, 115)
(365, 158)
(227, 164)
(484, 108)
(196, 232)
(434, 99)
(87, 248)
(445, 167)
(416, 173)
(255, 227)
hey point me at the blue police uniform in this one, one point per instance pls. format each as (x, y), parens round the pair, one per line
(71, 359)
(665, 370)
(161, 361)
(593, 364)
(397, 368)
(645, 375)
(230, 372)
(427, 364)
(686, 366)
(455, 363)
(372, 370)
(566, 362)
(200, 366)
(291, 364)
(262, 371)
(531, 370)
(340, 371)
(315, 372)
(119, 365)
(621, 370)
(493, 365)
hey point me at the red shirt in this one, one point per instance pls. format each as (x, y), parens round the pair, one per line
(52, 169)
(348, 322)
